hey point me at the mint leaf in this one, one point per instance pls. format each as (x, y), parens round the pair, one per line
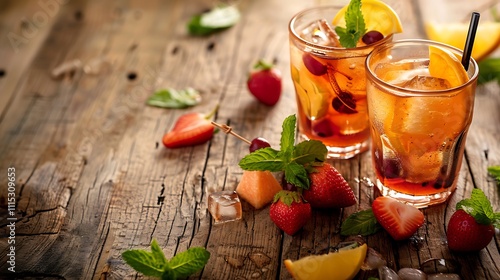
(297, 174)
(355, 25)
(479, 207)
(263, 159)
(215, 20)
(143, 262)
(171, 98)
(360, 223)
(495, 172)
(309, 151)
(189, 262)
(489, 70)
(287, 140)
(155, 264)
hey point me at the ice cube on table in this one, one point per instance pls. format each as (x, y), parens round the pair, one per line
(321, 33)
(224, 206)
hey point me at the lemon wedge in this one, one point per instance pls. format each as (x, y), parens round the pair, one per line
(445, 65)
(454, 34)
(378, 16)
(341, 265)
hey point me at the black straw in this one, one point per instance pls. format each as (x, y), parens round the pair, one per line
(469, 43)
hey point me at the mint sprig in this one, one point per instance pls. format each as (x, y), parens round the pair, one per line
(355, 25)
(155, 263)
(479, 207)
(495, 172)
(176, 99)
(360, 223)
(489, 70)
(297, 161)
(215, 20)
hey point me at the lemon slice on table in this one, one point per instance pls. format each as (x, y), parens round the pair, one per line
(454, 34)
(445, 65)
(377, 15)
(343, 264)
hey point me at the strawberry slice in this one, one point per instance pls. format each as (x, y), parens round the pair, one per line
(189, 130)
(400, 220)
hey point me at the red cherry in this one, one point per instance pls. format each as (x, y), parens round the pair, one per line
(371, 37)
(314, 66)
(258, 143)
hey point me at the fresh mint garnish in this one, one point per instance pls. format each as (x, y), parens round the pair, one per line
(495, 172)
(355, 25)
(297, 161)
(155, 263)
(217, 19)
(489, 70)
(479, 207)
(360, 223)
(176, 99)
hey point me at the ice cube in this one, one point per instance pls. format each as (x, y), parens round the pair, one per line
(320, 33)
(224, 206)
(426, 83)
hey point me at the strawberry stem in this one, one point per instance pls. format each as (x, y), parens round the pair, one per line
(212, 113)
(263, 65)
(228, 130)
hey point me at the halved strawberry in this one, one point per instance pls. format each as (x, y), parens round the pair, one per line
(400, 220)
(189, 130)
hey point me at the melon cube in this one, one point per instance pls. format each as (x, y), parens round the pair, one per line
(258, 188)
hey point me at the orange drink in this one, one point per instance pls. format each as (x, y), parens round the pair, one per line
(420, 103)
(330, 80)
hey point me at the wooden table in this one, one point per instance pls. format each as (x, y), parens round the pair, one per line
(93, 180)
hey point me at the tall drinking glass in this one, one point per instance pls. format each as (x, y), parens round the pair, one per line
(330, 83)
(419, 121)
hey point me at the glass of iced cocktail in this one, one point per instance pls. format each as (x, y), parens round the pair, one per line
(420, 103)
(330, 79)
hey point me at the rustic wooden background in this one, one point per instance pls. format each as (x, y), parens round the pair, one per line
(91, 171)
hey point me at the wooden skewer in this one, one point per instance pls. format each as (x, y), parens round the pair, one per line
(228, 130)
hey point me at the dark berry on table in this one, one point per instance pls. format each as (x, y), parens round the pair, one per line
(314, 66)
(288, 186)
(323, 128)
(258, 143)
(344, 103)
(392, 168)
(371, 37)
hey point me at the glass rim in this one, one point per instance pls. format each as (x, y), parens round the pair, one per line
(416, 92)
(296, 36)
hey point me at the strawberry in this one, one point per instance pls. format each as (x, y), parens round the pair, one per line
(289, 212)
(400, 220)
(328, 189)
(264, 82)
(472, 226)
(189, 130)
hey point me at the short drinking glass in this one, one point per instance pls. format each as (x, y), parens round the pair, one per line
(330, 84)
(419, 117)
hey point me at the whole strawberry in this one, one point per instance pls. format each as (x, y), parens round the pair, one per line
(472, 226)
(328, 189)
(264, 83)
(289, 212)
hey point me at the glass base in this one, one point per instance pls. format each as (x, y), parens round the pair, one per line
(419, 201)
(342, 152)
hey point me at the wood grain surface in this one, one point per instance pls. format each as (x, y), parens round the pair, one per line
(93, 179)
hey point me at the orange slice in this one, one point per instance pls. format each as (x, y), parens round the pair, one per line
(343, 264)
(454, 34)
(445, 65)
(378, 16)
